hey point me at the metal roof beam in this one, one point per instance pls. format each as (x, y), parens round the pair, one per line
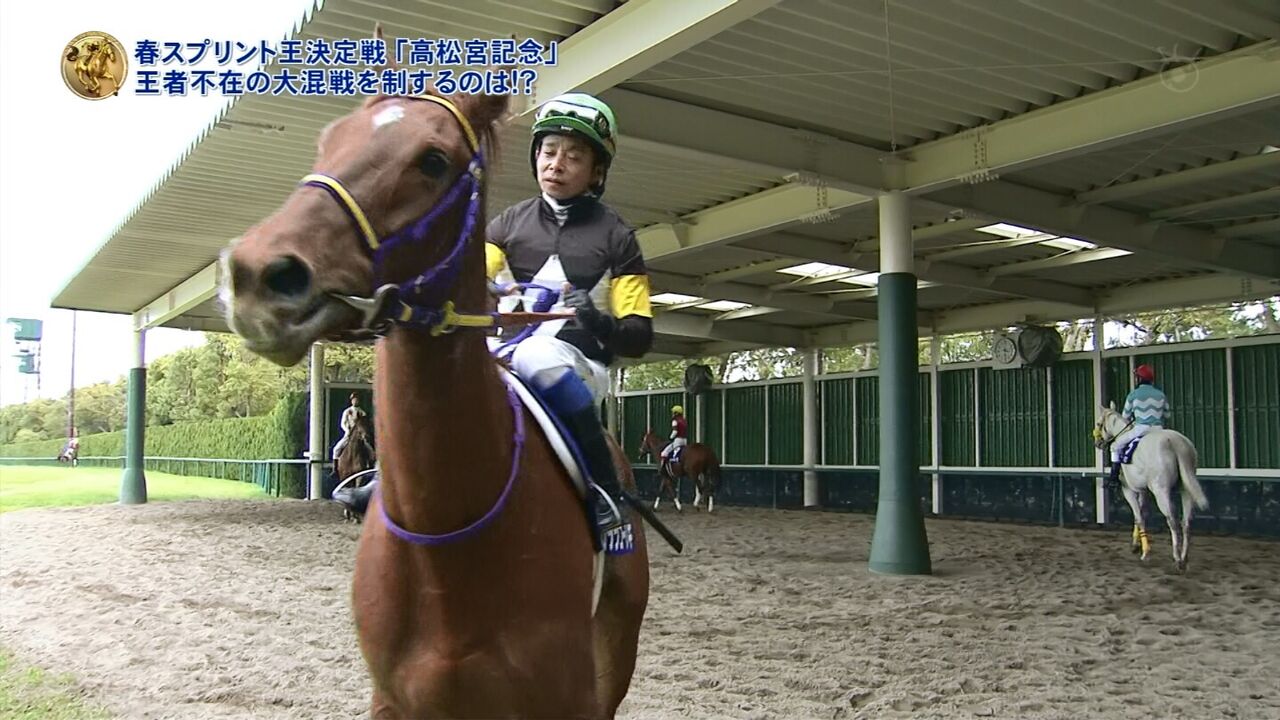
(186, 295)
(752, 215)
(762, 146)
(739, 331)
(1208, 205)
(1261, 227)
(755, 268)
(631, 39)
(1186, 292)
(1102, 225)
(1182, 178)
(1216, 87)
(1067, 259)
(756, 295)
(929, 271)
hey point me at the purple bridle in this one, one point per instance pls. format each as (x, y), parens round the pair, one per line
(420, 302)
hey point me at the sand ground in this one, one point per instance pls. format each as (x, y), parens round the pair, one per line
(221, 609)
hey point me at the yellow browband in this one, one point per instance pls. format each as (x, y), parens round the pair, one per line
(362, 221)
(473, 141)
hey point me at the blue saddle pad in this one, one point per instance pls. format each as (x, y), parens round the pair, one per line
(1126, 452)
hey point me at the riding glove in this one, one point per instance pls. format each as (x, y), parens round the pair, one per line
(589, 316)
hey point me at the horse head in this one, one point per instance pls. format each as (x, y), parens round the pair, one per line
(382, 174)
(1108, 425)
(649, 444)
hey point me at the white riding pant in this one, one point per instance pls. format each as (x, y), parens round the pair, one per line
(671, 446)
(1126, 437)
(542, 360)
(342, 442)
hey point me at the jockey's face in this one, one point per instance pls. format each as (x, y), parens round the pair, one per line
(566, 166)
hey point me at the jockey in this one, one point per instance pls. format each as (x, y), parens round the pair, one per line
(567, 240)
(348, 421)
(679, 432)
(1145, 408)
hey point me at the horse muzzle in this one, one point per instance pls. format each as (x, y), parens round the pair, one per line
(280, 314)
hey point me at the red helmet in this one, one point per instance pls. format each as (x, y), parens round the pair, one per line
(1145, 372)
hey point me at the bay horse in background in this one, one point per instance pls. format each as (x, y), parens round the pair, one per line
(473, 588)
(697, 462)
(358, 454)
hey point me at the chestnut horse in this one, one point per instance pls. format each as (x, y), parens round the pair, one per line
(473, 590)
(698, 461)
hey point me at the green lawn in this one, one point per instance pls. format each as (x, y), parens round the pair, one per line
(29, 693)
(28, 487)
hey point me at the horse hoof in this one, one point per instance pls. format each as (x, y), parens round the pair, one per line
(1136, 550)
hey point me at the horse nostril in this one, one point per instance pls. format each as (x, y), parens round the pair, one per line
(287, 276)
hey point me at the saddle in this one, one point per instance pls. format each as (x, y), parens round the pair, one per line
(673, 457)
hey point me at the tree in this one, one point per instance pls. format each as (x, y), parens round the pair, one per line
(1202, 323)
(101, 408)
(348, 363)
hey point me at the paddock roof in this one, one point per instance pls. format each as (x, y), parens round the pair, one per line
(1064, 159)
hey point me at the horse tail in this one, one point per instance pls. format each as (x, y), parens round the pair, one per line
(1186, 453)
(713, 470)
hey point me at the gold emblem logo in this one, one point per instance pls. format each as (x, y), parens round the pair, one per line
(94, 65)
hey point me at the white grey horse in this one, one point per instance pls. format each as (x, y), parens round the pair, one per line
(1163, 459)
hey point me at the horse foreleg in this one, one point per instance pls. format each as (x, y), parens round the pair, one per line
(675, 496)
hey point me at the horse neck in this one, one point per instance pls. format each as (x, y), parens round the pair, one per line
(1116, 424)
(443, 423)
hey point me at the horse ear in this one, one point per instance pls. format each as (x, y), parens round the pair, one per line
(1112, 405)
(484, 111)
(391, 63)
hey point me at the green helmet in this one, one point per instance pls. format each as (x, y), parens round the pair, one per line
(582, 115)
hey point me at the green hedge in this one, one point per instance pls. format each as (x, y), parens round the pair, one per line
(281, 434)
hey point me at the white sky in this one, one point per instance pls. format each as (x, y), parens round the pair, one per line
(72, 169)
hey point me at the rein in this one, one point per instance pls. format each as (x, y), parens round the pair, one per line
(1099, 429)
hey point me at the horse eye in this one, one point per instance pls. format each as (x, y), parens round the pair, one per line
(434, 164)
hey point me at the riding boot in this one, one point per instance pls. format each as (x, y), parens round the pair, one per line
(575, 407)
(1113, 480)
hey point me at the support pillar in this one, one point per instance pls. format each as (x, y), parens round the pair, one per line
(611, 403)
(317, 451)
(133, 483)
(899, 545)
(811, 428)
(935, 416)
(1099, 394)
(700, 419)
